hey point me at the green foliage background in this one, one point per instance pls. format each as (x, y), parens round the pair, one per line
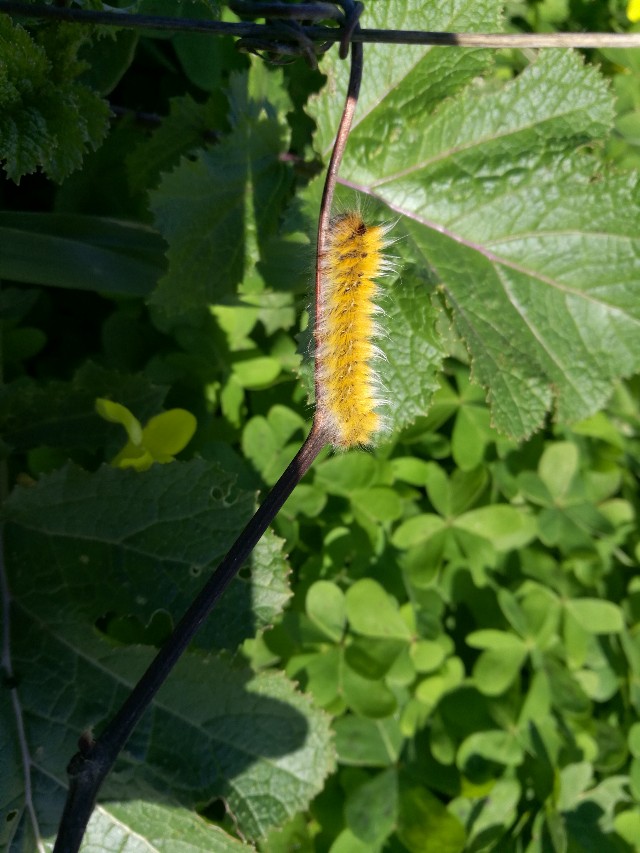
(438, 646)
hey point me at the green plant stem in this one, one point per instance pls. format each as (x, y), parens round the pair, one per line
(90, 766)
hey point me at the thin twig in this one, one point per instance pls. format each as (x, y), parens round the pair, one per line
(318, 33)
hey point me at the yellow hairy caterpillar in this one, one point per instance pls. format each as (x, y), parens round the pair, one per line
(346, 384)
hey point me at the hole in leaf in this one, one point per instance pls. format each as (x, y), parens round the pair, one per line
(130, 630)
(215, 810)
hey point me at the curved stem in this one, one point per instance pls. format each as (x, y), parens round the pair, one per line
(344, 128)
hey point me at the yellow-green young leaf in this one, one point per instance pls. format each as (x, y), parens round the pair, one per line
(119, 414)
(164, 435)
(135, 457)
(71, 419)
(168, 433)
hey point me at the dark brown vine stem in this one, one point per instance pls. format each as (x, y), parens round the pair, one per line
(90, 766)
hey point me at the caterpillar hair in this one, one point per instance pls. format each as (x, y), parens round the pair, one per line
(347, 389)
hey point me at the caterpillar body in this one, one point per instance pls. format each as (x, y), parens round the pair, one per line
(347, 389)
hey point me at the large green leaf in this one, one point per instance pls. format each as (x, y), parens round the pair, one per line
(533, 244)
(397, 93)
(130, 544)
(214, 731)
(81, 547)
(410, 348)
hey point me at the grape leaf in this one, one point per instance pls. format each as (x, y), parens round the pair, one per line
(130, 544)
(80, 544)
(214, 731)
(533, 244)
